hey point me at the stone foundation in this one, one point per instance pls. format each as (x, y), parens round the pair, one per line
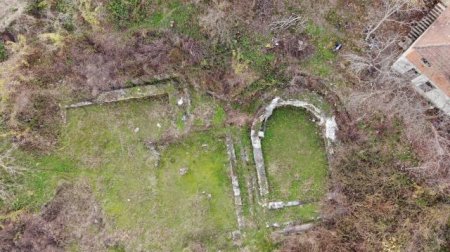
(257, 132)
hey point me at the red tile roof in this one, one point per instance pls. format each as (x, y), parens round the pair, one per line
(431, 52)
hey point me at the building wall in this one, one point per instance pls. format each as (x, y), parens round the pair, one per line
(423, 85)
(428, 65)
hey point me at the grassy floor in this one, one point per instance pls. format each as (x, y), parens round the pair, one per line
(257, 218)
(164, 210)
(295, 156)
(161, 209)
(154, 204)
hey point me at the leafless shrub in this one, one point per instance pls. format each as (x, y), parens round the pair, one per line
(430, 139)
(368, 173)
(283, 24)
(82, 68)
(317, 240)
(298, 47)
(435, 150)
(194, 50)
(374, 64)
(217, 24)
(8, 169)
(263, 8)
(8, 162)
(64, 220)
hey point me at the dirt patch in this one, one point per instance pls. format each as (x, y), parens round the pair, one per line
(297, 47)
(238, 118)
(72, 217)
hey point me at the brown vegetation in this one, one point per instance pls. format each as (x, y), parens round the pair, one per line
(51, 75)
(376, 205)
(391, 173)
(72, 216)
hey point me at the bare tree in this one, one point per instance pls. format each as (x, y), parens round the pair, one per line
(387, 13)
(375, 62)
(8, 167)
(436, 150)
(429, 137)
(288, 22)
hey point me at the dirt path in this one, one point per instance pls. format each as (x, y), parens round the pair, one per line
(9, 11)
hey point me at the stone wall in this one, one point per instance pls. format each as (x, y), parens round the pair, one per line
(126, 94)
(235, 181)
(327, 123)
(164, 87)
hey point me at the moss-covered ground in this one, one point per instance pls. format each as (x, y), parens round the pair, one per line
(151, 201)
(147, 198)
(296, 161)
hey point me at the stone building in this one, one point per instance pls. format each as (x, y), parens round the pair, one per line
(427, 57)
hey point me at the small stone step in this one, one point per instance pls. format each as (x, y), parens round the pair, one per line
(435, 12)
(415, 34)
(440, 6)
(422, 27)
(431, 18)
(418, 30)
(428, 21)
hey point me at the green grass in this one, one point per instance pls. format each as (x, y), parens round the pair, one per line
(135, 193)
(127, 12)
(162, 210)
(219, 117)
(193, 213)
(41, 180)
(251, 50)
(321, 62)
(137, 14)
(154, 204)
(36, 7)
(295, 156)
(257, 217)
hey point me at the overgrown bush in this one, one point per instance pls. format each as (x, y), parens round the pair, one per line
(379, 206)
(127, 12)
(36, 7)
(3, 52)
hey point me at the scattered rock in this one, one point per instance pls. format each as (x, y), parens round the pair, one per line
(183, 171)
(236, 235)
(273, 225)
(275, 205)
(281, 204)
(180, 101)
(297, 229)
(208, 195)
(301, 45)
